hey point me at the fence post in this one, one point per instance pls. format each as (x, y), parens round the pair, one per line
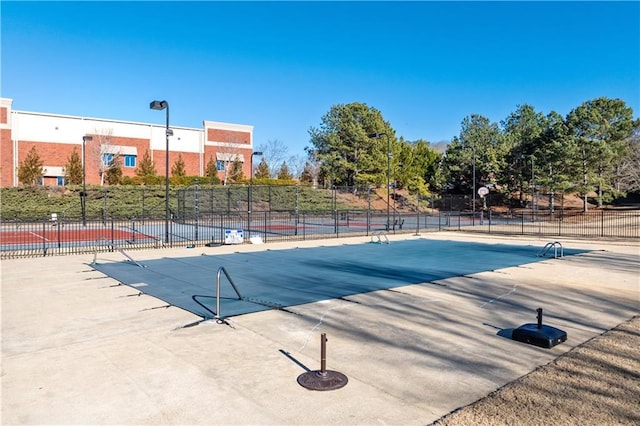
(267, 220)
(297, 211)
(368, 210)
(196, 205)
(44, 237)
(59, 226)
(105, 207)
(560, 218)
(221, 228)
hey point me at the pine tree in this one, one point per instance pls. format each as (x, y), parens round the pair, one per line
(262, 171)
(307, 174)
(146, 167)
(30, 170)
(73, 169)
(113, 175)
(211, 170)
(235, 174)
(283, 173)
(178, 168)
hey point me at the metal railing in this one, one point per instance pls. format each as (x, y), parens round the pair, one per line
(63, 237)
(222, 270)
(555, 245)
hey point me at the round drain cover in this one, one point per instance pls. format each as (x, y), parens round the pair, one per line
(321, 381)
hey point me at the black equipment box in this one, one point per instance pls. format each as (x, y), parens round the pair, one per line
(544, 336)
(538, 334)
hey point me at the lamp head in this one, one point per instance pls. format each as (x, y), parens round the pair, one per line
(87, 138)
(158, 105)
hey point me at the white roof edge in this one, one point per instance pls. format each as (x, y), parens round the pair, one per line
(107, 120)
(227, 126)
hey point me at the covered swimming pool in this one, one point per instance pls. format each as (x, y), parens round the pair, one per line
(278, 279)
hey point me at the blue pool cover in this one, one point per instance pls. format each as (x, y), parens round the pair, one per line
(282, 278)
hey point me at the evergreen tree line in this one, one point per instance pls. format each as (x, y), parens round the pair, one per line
(594, 149)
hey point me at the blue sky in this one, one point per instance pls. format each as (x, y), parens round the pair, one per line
(280, 66)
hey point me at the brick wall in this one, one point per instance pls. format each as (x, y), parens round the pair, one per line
(220, 135)
(6, 158)
(52, 154)
(191, 162)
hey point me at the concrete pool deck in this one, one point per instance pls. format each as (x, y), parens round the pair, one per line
(77, 347)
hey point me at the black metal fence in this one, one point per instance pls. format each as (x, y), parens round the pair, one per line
(58, 236)
(598, 224)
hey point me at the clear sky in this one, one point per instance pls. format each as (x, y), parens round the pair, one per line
(280, 66)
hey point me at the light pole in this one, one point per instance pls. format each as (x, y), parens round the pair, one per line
(533, 185)
(533, 190)
(377, 136)
(160, 105)
(473, 208)
(256, 153)
(83, 194)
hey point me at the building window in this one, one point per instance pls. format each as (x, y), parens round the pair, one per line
(220, 165)
(60, 180)
(107, 159)
(129, 160)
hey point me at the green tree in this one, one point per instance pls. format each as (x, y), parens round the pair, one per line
(113, 175)
(555, 156)
(211, 170)
(178, 168)
(307, 173)
(601, 127)
(235, 172)
(343, 146)
(262, 171)
(480, 145)
(417, 166)
(283, 173)
(628, 170)
(73, 169)
(522, 132)
(30, 170)
(146, 167)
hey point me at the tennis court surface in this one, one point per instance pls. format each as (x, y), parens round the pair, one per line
(283, 278)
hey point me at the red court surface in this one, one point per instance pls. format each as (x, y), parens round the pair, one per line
(67, 235)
